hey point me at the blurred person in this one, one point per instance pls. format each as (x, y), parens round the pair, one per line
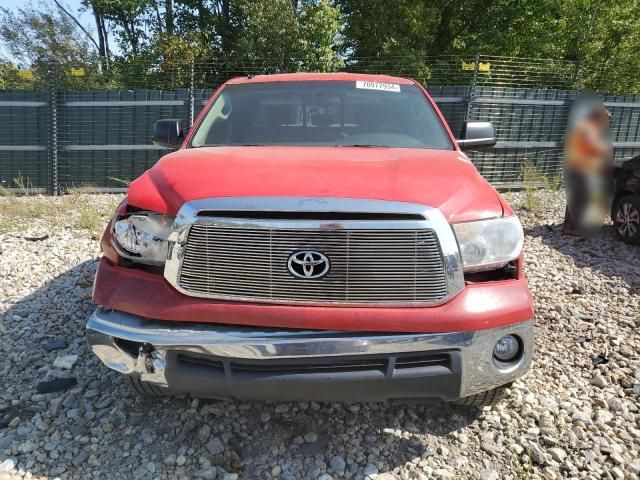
(588, 153)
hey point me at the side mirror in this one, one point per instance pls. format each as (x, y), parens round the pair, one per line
(477, 135)
(168, 133)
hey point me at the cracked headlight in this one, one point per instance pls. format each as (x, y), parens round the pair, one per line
(489, 244)
(143, 238)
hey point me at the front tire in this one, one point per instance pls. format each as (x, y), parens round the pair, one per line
(626, 219)
(144, 389)
(482, 399)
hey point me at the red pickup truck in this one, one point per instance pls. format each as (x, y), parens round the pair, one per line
(315, 237)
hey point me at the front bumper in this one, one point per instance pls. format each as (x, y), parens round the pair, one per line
(479, 306)
(274, 364)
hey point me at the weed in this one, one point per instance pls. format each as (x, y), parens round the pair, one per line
(534, 181)
(78, 211)
(6, 225)
(90, 218)
(24, 185)
(5, 192)
(120, 181)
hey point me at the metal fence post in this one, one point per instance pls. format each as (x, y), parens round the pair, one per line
(52, 147)
(579, 77)
(192, 100)
(474, 81)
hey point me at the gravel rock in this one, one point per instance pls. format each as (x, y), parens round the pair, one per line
(557, 454)
(65, 362)
(56, 385)
(489, 475)
(7, 465)
(206, 473)
(370, 471)
(310, 437)
(537, 454)
(215, 446)
(598, 381)
(337, 464)
(57, 344)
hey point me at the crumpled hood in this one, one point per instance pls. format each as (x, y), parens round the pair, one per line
(446, 180)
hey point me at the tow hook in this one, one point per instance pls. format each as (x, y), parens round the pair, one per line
(151, 365)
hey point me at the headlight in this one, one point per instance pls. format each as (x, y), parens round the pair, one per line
(143, 237)
(489, 244)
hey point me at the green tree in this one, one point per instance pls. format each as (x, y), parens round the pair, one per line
(281, 35)
(320, 36)
(158, 38)
(387, 37)
(611, 46)
(271, 34)
(50, 43)
(129, 18)
(10, 78)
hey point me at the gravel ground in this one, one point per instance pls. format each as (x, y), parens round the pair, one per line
(576, 414)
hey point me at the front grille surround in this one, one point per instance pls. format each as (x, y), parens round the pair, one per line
(373, 262)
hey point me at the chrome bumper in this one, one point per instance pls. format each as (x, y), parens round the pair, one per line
(133, 345)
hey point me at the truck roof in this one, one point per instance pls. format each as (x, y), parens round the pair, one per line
(317, 77)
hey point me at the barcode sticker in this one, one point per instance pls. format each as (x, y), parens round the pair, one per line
(386, 87)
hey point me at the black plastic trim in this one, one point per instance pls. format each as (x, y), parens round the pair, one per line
(432, 376)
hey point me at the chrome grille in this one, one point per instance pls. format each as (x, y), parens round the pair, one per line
(399, 266)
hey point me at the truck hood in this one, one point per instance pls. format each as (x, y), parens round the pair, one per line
(446, 180)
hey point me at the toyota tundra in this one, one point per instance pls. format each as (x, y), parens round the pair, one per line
(315, 237)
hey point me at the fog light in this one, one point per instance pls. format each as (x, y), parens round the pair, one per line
(507, 348)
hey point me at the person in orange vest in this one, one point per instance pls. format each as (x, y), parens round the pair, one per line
(587, 156)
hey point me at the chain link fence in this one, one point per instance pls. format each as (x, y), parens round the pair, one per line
(91, 128)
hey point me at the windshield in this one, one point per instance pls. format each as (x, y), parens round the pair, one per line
(322, 114)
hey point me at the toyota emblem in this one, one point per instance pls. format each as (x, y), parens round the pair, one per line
(308, 264)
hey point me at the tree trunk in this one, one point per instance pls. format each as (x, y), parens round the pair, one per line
(78, 24)
(443, 35)
(101, 46)
(225, 31)
(105, 36)
(158, 17)
(129, 30)
(168, 7)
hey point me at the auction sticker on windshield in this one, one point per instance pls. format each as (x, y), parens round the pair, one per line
(387, 87)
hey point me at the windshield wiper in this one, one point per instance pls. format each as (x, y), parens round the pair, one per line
(231, 145)
(361, 145)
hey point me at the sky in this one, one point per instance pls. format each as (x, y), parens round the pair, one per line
(72, 6)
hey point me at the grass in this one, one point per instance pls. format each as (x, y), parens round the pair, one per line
(5, 192)
(23, 185)
(534, 181)
(6, 225)
(76, 210)
(92, 219)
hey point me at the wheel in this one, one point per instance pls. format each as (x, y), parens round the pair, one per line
(482, 399)
(144, 389)
(627, 219)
